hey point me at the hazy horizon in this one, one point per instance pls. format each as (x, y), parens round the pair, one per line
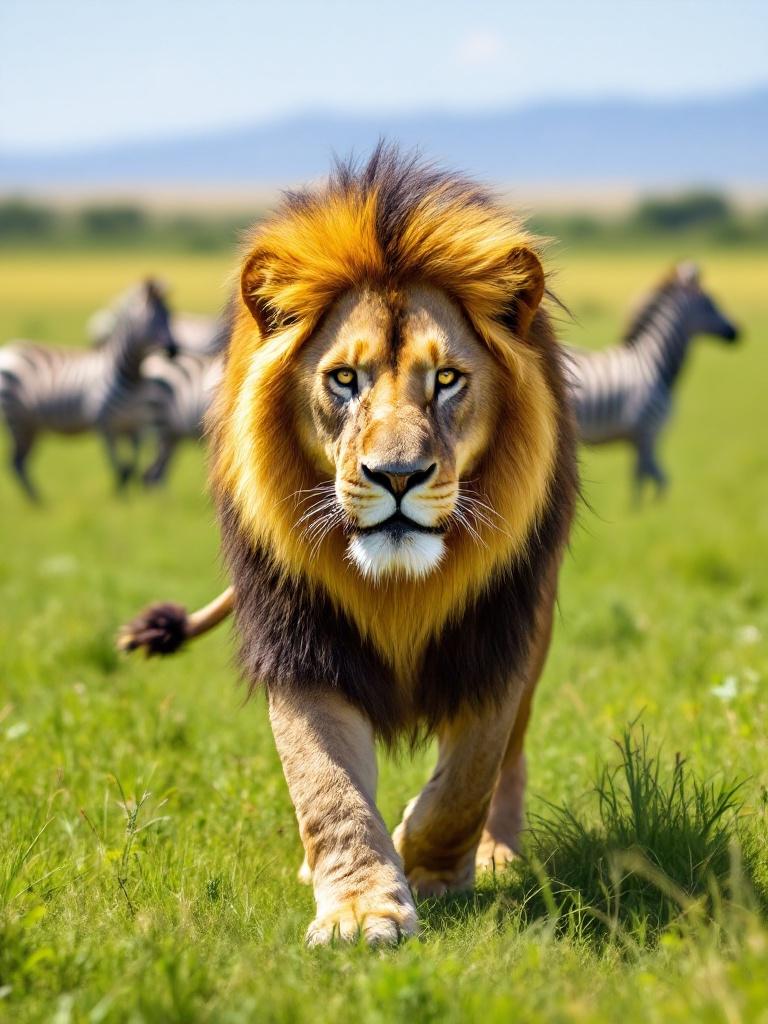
(86, 73)
(310, 113)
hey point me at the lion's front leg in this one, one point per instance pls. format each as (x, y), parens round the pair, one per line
(441, 828)
(500, 841)
(329, 759)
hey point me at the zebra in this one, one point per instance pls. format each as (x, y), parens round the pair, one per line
(194, 333)
(624, 392)
(69, 391)
(178, 393)
(175, 394)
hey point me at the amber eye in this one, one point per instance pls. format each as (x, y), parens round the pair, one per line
(447, 377)
(345, 377)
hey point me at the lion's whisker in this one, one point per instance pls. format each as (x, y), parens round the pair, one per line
(333, 520)
(480, 516)
(460, 516)
(324, 505)
(324, 485)
(317, 524)
(469, 505)
(475, 499)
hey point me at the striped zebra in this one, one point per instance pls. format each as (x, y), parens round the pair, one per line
(194, 333)
(178, 393)
(69, 391)
(624, 392)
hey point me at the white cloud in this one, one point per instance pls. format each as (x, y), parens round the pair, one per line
(481, 48)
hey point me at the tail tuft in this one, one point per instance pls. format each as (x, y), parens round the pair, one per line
(160, 629)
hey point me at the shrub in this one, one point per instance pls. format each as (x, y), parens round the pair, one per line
(680, 213)
(107, 222)
(20, 218)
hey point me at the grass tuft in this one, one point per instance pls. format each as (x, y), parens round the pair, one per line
(657, 846)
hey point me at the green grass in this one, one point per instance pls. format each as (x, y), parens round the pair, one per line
(148, 848)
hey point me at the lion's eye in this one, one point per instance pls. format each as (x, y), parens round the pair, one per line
(345, 377)
(447, 377)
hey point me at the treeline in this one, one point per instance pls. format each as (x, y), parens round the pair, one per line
(699, 216)
(23, 221)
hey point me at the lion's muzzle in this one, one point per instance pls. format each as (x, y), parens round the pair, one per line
(398, 530)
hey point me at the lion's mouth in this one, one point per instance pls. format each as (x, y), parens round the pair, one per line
(397, 526)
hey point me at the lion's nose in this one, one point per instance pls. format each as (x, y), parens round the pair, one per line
(397, 477)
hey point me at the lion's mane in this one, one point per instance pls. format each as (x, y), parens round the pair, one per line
(408, 653)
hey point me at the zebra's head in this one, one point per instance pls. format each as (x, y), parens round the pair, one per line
(142, 313)
(704, 316)
(156, 320)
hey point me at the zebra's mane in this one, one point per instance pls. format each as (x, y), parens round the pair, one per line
(103, 324)
(649, 308)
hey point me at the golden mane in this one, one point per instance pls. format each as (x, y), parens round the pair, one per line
(394, 223)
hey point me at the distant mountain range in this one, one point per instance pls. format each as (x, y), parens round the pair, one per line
(703, 141)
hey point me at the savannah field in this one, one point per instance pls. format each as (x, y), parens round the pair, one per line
(148, 849)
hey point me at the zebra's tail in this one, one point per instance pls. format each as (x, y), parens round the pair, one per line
(165, 627)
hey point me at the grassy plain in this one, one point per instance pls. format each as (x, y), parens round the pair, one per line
(147, 844)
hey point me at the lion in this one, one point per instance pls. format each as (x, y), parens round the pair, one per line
(393, 464)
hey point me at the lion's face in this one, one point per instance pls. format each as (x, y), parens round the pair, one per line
(397, 402)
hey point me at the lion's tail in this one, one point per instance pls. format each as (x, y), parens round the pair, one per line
(164, 627)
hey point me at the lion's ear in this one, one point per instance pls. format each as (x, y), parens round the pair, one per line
(254, 288)
(529, 289)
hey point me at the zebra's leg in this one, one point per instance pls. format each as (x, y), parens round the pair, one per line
(123, 471)
(135, 442)
(659, 477)
(648, 468)
(156, 473)
(643, 470)
(22, 446)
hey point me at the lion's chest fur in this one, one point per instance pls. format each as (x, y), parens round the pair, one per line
(410, 657)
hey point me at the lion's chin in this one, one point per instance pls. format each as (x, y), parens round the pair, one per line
(412, 553)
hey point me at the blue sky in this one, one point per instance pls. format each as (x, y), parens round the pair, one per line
(83, 71)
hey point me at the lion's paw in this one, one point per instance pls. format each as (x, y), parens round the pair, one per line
(494, 855)
(379, 926)
(427, 882)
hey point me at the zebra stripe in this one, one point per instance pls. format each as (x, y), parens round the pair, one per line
(69, 391)
(178, 394)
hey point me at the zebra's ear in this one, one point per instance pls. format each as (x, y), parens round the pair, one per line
(688, 274)
(156, 291)
(527, 276)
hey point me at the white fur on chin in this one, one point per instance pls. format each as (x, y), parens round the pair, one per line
(378, 554)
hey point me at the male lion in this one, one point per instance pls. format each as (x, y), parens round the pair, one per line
(394, 470)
